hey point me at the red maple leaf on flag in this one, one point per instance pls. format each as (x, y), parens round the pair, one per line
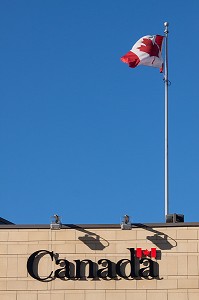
(149, 47)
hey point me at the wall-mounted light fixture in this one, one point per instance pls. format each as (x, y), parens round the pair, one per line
(56, 222)
(126, 223)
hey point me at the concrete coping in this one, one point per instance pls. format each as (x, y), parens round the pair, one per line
(100, 226)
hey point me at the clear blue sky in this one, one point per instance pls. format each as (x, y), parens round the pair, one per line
(82, 134)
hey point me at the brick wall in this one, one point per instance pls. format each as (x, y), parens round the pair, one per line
(178, 262)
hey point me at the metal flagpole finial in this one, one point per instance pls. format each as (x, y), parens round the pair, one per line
(166, 24)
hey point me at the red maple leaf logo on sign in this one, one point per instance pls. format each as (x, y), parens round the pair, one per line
(151, 253)
(146, 252)
(149, 47)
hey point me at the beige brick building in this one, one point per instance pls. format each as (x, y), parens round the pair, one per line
(99, 262)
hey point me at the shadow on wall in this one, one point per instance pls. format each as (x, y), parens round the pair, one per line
(160, 239)
(90, 239)
(96, 242)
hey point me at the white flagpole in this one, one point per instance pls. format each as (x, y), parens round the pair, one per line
(166, 82)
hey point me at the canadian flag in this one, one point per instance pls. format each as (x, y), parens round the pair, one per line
(147, 52)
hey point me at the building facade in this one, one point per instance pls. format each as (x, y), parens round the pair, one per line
(99, 262)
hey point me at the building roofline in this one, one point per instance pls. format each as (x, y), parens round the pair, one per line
(99, 226)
